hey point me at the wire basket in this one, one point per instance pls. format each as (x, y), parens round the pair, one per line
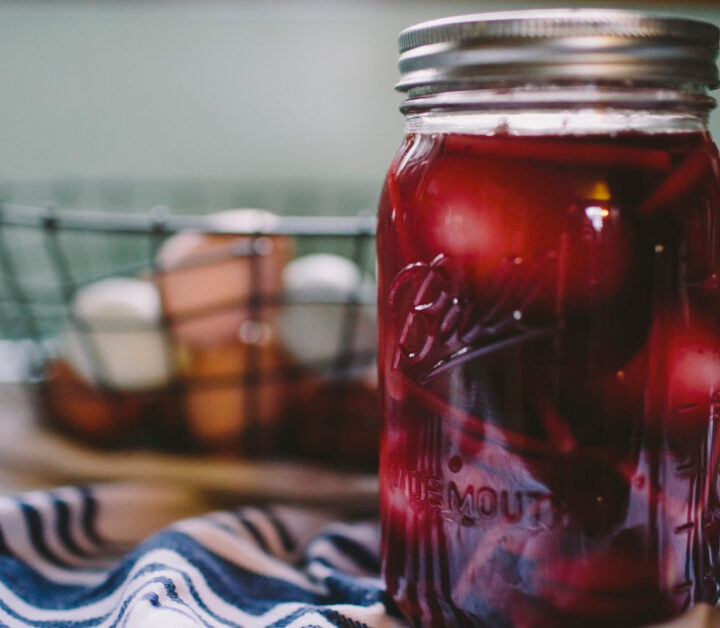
(272, 398)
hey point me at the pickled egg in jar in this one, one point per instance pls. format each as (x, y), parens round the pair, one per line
(548, 238)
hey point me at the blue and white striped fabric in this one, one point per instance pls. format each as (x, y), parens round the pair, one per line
(88, 557)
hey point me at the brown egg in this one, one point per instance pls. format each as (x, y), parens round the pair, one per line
(206, 281)
(336, 422)
(105, 418)
(235, 393)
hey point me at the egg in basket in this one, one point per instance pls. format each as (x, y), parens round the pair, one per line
(236, 332)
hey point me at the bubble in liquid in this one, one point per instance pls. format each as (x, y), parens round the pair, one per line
(455, 464)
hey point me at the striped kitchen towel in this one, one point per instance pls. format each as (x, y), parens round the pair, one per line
(123, 555)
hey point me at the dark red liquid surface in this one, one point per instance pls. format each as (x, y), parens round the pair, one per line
(550, 372)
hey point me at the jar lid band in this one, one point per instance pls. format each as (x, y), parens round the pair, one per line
(556, 45)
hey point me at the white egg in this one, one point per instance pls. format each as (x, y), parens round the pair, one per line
(115, 336)
(319, 321)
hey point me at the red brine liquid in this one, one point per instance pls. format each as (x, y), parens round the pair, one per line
(550, 372)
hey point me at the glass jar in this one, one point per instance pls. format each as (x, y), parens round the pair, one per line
(549, 290)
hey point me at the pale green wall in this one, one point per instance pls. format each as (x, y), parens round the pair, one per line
(248, 90)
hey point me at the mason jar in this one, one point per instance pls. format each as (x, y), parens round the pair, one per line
(549, 290)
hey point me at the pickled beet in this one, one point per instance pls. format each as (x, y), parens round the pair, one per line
(550, 376)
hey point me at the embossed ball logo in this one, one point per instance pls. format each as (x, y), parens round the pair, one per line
(439, 329)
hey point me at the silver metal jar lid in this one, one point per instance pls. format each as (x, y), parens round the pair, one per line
(556, 45)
